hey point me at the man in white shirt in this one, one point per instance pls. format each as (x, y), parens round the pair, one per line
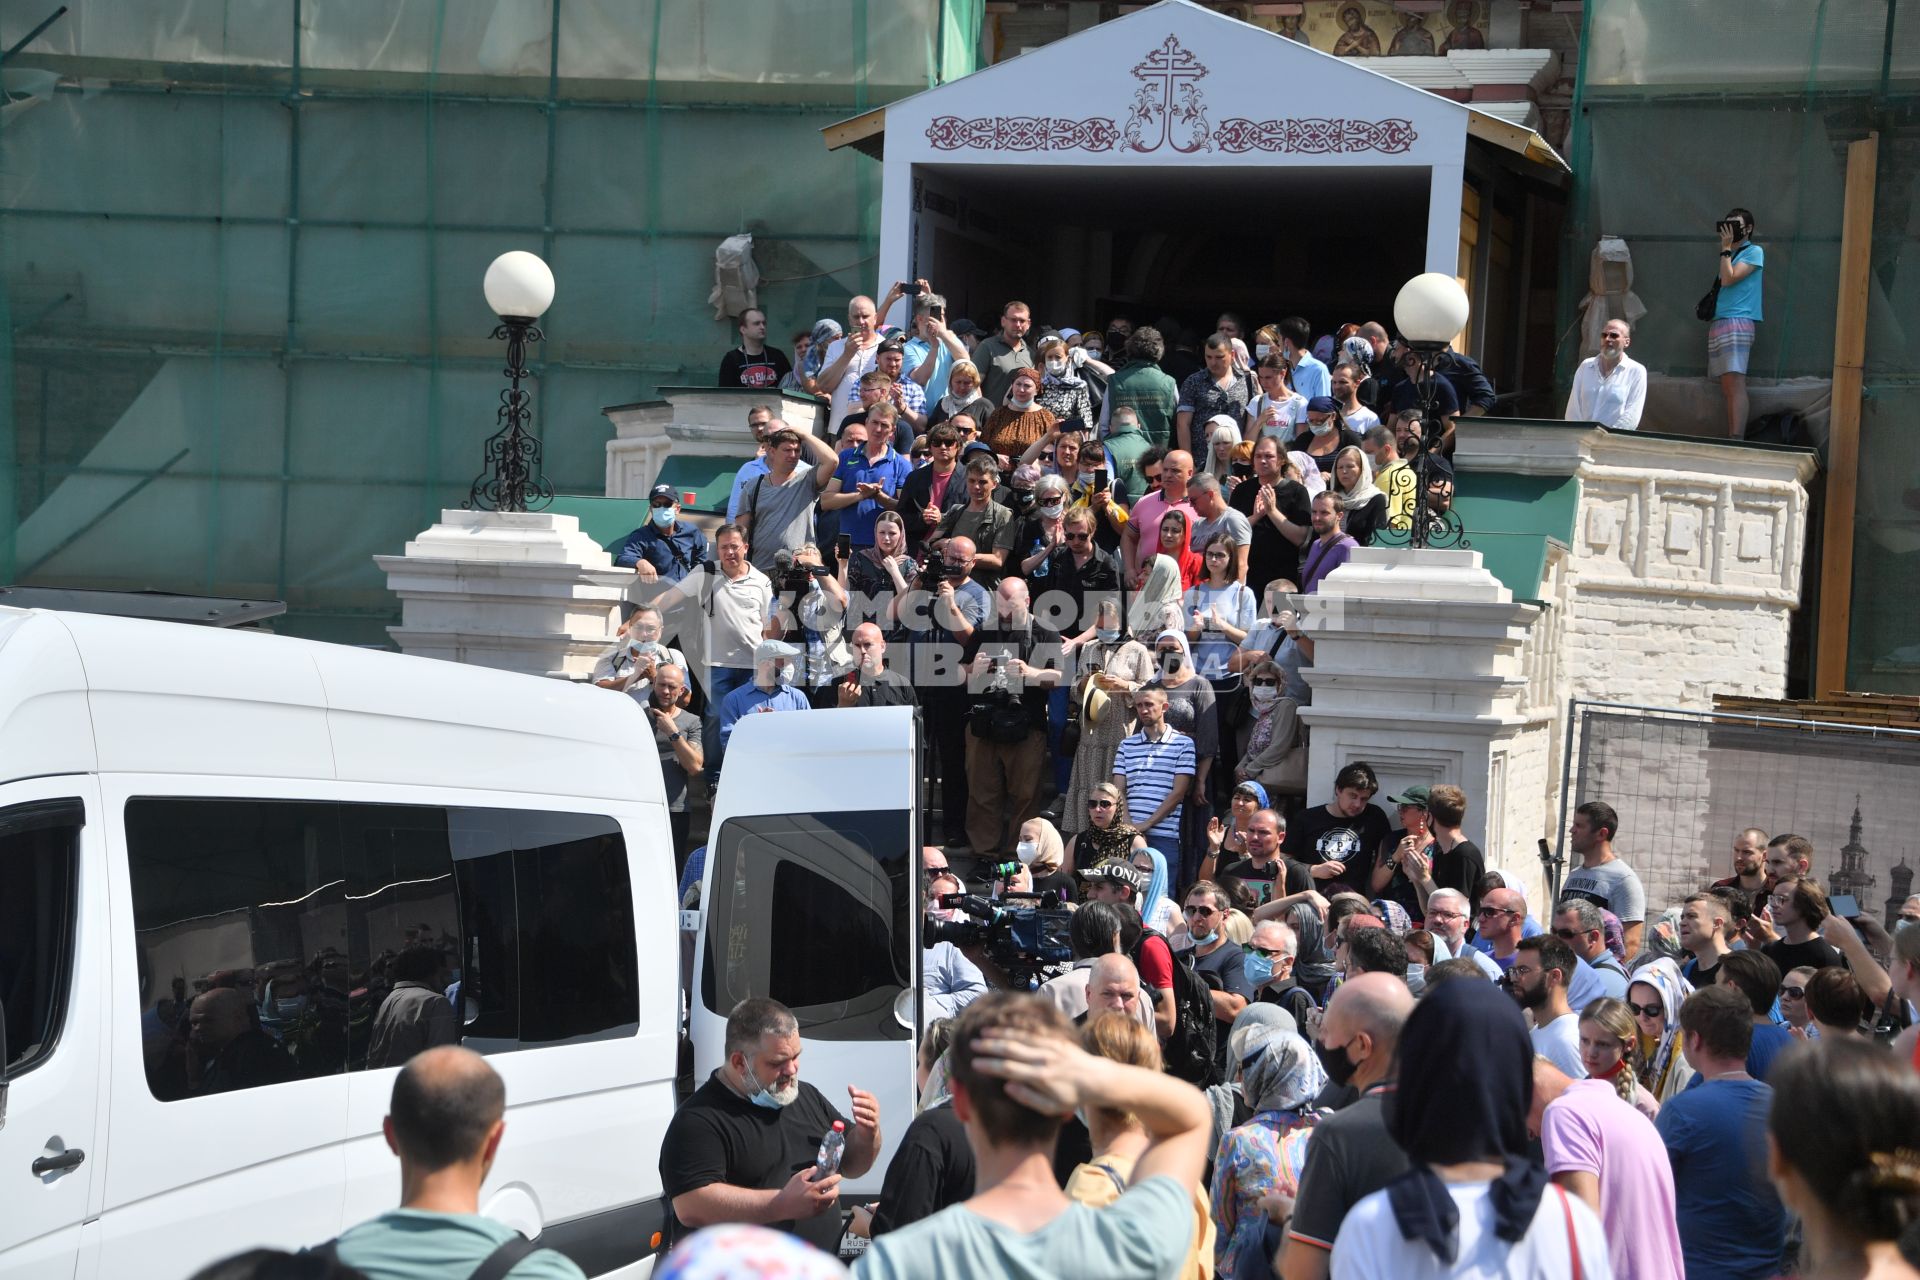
(1610, 388)
(1542, 967)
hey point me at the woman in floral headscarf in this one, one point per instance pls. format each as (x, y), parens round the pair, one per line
(1279, 1078)
(1656, 994)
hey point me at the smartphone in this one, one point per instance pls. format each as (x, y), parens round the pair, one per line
(843, 546)
(1845, 905)
(1243, 470)
(1101, 481)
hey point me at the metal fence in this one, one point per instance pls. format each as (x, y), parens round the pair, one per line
(1686, 782)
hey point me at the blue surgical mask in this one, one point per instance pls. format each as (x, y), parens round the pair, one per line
(1107, 634)
(663, 517)
(1902, 925)
(764, 1098)
(1202, 939)
(1258, 968)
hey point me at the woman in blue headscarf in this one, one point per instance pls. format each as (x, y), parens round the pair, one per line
(1474, 1201)
(1279, 1078)
(1157, 910)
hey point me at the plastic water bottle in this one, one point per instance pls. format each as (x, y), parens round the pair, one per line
(832, 1147)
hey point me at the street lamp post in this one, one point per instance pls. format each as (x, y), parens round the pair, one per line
(1430, 311)
(519, 288)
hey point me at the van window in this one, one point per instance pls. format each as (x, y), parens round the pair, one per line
(353, 936)
(812, 910)
(39, 878)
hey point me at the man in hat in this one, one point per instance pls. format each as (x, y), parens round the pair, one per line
(771, 690)
(665, 548)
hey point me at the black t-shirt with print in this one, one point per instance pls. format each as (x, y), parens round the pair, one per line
(1262, 880)
(762, 372)
(1317, 836)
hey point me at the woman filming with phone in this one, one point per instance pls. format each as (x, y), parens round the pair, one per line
(1735, 300)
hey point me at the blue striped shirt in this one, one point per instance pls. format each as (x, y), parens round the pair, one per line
(1149, 767)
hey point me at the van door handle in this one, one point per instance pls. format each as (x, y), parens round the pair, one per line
(68, 1159)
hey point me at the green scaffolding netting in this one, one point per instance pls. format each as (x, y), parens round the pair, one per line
(245, 346)
(1686, 108)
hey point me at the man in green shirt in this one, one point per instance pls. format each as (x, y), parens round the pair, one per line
(1006, 351)
(444, 1122)
(1127, 444)
(1142, 386)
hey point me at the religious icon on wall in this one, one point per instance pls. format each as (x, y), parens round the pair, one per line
(1290, 27)
(1357, 39)
(1412, 40)
(1466, 33)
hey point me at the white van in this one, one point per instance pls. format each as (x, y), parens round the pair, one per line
(811, 895)
(183, 809)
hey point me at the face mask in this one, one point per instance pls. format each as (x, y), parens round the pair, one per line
(764, 1098)
(289, 1007)
(1262, 694)
(1900, 927)
(1054, 510)
(1339, 1066)
(1093, 353)
(1202, 939)
(1026, 851)
(1416, 973)
(1107, 634)
(663, 517)
(1057, 367)
(1261, 351)
(643, 646)
(1022, 403)
(1259, 969)
(1169, 664)
(1320, 428)
(1020, 499)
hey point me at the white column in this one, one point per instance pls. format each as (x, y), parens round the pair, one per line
(1419, 671)
(520, 591)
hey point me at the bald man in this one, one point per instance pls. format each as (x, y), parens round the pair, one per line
(872, 683)
(227, 1050)
(445, 1122)
(1351, 1155)
(1114, 985)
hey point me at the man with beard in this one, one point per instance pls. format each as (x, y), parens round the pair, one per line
(1542, 966)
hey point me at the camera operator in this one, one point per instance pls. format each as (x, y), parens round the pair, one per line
(1016, 663)
(949, 981)
(812, 609)
(1736, 311)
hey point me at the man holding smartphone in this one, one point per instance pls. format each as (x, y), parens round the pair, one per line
(869, 479)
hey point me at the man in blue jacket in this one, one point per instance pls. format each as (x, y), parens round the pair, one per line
(665, 548)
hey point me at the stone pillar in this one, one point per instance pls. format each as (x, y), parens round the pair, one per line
(1420, 670)
(520, 591)
(694, 422)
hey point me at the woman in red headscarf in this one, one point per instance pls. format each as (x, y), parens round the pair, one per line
(1176, 543)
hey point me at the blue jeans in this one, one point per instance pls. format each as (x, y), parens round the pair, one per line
(721, 681)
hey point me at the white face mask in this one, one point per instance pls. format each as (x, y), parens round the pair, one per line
(1053, 510)
(1263, 695)
(1320, 428)
(1022, 403)
(1026, 851)
(1056, 367)
(1261, 351)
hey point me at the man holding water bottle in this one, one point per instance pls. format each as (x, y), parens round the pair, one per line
(744, 1147)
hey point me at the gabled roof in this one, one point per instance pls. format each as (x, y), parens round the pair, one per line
(1223, 87)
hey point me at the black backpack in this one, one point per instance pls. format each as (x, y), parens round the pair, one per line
(1189, 1051)
(494, 1266)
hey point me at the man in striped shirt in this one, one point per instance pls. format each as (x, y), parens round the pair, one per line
(1156, 766)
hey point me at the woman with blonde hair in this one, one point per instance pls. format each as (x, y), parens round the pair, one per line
(1610, 1050)
(1365, 506)
(962, 397)
(1119, 1139)
(1107, 834)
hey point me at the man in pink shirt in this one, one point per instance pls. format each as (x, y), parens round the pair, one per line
(1600, 1148)
(1142, 537)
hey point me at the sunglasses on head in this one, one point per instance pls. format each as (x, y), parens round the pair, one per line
(1655, 1010)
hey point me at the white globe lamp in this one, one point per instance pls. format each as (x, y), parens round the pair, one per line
(519, 286)
(1431, 309)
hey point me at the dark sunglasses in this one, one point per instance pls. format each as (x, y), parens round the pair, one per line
(1655, 1010)
(1099, 804)
(918, 455)
(1079, 537)
(1268, 952)
(1567, 935)
(1793, 993)
(1266, 684)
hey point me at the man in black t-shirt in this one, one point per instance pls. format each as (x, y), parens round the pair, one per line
(742, 1148)
(1218, 960)
(1262, 868)
(1016, 665)
(1270, 501)
(1337, 840)
(1799, 908)
(753, 363)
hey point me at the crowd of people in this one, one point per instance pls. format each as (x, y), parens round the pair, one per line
(1304, 1081)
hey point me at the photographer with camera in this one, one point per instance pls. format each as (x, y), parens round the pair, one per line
(1017, 661)
(1735, 302)
(811, 608)
(949, 980)
(940, 615)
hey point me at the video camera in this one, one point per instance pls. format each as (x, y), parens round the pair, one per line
(1018, 934)
(788, 576)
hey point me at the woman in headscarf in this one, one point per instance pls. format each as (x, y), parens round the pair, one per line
(1063, 392)
(1474, 1202)
(1156, 605)
(1190, 710)
(734, 1249)
(1157, 909)
(1364, 504)
(933, 1165)
(803, 378)
(1176, 543)
(1116, 664)
(1107, 833)
(1021, 418)
(1655, 994)
(1279, 1078)
(1119, 1140)
(1041, 853)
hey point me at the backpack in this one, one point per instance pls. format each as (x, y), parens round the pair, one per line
(1189, 1051)
(494, 1266)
